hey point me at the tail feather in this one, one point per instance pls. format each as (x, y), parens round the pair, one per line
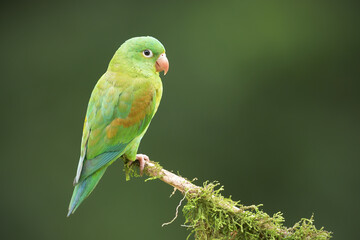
(84, 188)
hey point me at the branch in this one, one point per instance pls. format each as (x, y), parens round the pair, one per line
(210, 215)
(181, 184)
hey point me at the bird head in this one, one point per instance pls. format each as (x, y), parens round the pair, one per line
(140, 56)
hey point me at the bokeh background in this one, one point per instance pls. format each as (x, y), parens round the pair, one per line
(262, 96)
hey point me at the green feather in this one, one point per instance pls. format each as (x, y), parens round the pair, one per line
(83, 189)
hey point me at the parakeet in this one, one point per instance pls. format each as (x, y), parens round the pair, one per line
(119, 112)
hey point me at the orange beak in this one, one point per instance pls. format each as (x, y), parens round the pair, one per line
(162, 64)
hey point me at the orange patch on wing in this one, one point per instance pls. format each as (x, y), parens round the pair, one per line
(139, 108)
(111, 131)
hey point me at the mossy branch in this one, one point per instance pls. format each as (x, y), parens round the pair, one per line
(211, 216)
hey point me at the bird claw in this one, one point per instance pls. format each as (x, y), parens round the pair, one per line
(142, 158)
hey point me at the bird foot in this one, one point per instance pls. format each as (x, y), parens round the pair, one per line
(142, 158)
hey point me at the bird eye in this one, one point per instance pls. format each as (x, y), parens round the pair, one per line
(147, 53)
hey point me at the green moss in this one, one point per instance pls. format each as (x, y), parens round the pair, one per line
(305, 229)
(211, 216)
(156, 172)
(132, 170)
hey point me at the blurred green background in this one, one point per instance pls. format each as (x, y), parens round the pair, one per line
(262, 96)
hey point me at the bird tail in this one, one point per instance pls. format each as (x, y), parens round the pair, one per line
(84, 188)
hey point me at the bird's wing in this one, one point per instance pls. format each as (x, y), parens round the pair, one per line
(115, 116)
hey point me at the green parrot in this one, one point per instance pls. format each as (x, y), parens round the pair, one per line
(119, 112)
